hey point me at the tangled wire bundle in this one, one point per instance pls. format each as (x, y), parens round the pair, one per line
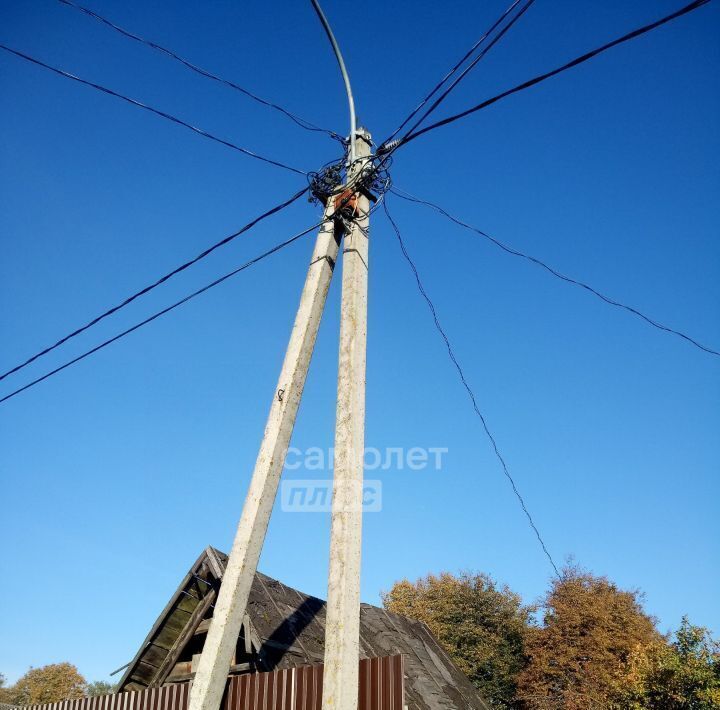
(332, 179)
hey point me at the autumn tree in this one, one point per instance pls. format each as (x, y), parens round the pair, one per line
(479, 624)
(49, 684)
(4, 690)
(578, 654)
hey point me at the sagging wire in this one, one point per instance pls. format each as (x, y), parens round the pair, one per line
(302, 122)
(468, 389)
(164, 311)
(157, 282)
(366, 179)
(555, 272)
(151, 109)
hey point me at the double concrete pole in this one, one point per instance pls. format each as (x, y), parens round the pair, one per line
(344, 602)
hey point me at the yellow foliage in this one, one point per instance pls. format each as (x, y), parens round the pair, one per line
(578, 656)
(49, 684)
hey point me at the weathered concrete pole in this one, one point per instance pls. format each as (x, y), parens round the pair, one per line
(342, 631)
(212, 670)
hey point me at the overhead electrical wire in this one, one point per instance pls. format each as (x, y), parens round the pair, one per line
(452, 71)
(336, 213)
(468, 389)
(156, 111)
(389, 146)
(145, 290)
(538, 262)
(160, 313)
(302, 122)
(525, 7)
(547, 75)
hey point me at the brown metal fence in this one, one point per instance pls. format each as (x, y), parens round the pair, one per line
(381, 688)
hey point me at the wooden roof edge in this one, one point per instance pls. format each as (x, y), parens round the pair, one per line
(163, 615)
(217, 560)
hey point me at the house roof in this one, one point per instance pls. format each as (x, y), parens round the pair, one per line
(284, 628)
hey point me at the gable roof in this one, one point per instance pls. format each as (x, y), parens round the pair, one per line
(284, 628)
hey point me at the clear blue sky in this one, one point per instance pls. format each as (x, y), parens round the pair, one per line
(116, 473)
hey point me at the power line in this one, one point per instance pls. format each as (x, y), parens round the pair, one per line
(388, 146)
(538, 262)
(156, 283)
(158, 314)
(156, 111)
(437, 86)
(575, 62)
(474, 63)
(468, 389)
(303, 123)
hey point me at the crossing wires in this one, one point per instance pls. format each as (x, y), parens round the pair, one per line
(696, 4)
(452, 71)
(502, 25)
(302, 122)
(146, 107)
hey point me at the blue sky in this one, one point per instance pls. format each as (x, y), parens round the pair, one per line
(117, 472)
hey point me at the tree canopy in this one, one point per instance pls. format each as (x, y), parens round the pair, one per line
(480, 624)
(49, 684)
(589, 645)
(681, 675)
(577, 656)
(99, 687)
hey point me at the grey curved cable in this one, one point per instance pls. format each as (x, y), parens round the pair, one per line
(345, 75)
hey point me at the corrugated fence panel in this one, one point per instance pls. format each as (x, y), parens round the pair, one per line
(381, 688)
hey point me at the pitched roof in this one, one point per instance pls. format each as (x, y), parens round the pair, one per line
(284, 628)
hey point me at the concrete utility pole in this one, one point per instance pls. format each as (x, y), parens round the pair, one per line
(340, 690)
(212, 671)
(342, 630)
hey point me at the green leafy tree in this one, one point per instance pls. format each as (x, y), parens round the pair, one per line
(49, 684)
(99, 687)
(480, 625)
(682, 675)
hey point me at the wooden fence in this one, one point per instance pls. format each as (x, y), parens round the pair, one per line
(381, 688)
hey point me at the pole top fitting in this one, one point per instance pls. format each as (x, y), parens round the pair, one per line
(363, 133)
